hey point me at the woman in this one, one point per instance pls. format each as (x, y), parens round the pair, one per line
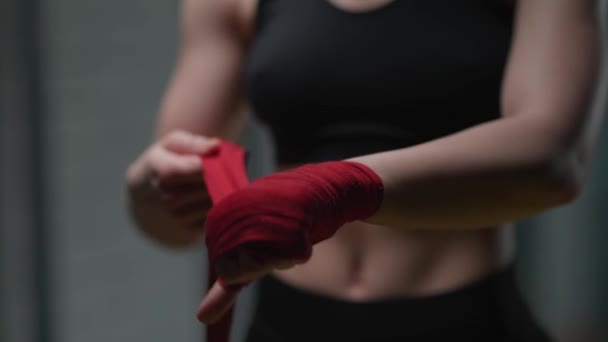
(467, 115)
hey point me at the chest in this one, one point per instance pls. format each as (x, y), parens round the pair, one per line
(399, 56)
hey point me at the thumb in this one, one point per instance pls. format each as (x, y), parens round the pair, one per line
(186, 143)
(217, 301)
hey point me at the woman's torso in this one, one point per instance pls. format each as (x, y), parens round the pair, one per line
(337, 79)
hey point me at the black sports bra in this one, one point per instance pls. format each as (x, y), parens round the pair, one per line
(332, 84)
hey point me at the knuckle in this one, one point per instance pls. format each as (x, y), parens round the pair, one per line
(183, 141)
(178, 134)
(156, 163)
(166, 171)
(174, 165)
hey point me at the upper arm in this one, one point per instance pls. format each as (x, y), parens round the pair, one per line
(552, 71)
(204, 96)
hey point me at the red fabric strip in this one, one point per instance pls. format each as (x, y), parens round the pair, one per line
(224, 172)
(280, 216)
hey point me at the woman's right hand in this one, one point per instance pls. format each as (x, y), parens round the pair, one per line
(167, 194)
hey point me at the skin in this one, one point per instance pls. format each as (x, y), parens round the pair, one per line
(445, 220)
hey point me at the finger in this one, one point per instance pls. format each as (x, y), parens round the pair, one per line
(180, 201)
(215, 304)
(244, 267)
(198, 224)
(177, 183)
(227, 268)
(247, 270)
(170, 168)
(192, 211)
(285, 264)
(187, 143)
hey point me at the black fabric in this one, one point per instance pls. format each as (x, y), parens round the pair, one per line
(411, 71)
(490, 309)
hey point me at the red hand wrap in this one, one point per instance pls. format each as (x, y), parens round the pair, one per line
(224, 173)
(282, 215)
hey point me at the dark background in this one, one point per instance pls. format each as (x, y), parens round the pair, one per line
(80, 82)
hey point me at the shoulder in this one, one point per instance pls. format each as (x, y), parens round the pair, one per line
(236, 17)
(245, 13)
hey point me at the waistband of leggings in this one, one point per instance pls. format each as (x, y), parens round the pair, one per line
(492, 303)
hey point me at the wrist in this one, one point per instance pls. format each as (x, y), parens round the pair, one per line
(343, 191)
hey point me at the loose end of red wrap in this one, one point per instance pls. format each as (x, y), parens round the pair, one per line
(224, 171)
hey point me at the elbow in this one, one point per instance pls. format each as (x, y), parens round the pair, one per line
(559, 180)
(563, 191)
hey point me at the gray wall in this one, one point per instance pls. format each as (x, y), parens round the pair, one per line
(106, 63)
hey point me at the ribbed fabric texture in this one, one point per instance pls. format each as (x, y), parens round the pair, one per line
(282, 215)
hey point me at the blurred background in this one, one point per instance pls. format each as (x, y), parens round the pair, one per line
(80, 82)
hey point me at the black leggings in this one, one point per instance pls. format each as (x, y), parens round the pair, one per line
(489, 310)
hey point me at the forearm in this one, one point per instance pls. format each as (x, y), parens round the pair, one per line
(489, 174)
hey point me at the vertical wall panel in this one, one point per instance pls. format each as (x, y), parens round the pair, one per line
(23, 300)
